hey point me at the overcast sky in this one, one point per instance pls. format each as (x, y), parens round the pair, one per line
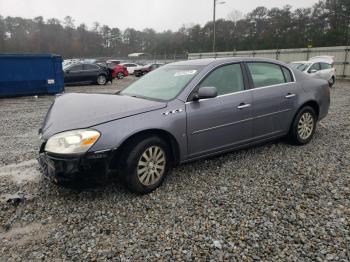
(139, 14)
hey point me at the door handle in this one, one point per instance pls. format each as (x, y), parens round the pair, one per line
(290, 95)
(243, 105)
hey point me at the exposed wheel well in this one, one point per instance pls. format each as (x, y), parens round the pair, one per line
(166, 136)
(314, 105)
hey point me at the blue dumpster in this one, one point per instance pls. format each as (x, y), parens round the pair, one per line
(30, 74)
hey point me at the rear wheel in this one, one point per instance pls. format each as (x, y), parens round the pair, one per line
(101, 80)
(145, 164)
(304, 126)
(120, 75)
(331, 81)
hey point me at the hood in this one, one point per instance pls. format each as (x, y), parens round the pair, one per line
(75, 111)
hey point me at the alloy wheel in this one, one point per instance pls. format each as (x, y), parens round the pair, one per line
(101, 80)
(151, 165)
(305, 126)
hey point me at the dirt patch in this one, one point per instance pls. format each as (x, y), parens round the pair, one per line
(22, 235)
(21, 172)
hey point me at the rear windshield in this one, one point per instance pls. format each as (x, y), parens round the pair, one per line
(164, 83)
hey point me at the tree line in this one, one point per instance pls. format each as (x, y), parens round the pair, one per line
(324, 24)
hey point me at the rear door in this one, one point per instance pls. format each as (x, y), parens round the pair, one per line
(224, 121)
(274, 98)
(90, 73)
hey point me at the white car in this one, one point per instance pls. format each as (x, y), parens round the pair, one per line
(318, 67)
(131, 67)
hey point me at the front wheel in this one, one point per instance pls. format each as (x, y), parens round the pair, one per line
(101, 80)
(145, 164)
(304, 126)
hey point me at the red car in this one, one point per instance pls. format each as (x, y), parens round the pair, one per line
(119, 72)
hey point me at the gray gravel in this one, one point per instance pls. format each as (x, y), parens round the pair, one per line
(271, 202)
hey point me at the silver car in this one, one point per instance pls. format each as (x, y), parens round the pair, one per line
(179, 113)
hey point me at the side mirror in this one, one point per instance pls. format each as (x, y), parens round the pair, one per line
(312, 71)
(205, 93)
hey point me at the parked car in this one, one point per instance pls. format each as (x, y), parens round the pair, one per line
(179, 113)
(318, 67)
(118, 71)
(82, 73)
(113, 61)
(131, 67)
(68, 62)
(146, 69)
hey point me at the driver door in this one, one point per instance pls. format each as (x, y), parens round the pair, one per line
(222, 122)
(73, 74)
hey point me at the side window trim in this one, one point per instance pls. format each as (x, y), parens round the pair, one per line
(290, 73)
(245, 80)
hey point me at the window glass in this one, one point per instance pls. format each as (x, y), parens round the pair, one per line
(76, 68)
(227, 79)
(325, 66)
(266, 74)
(287, 74)
(315, 66)
(90, 67)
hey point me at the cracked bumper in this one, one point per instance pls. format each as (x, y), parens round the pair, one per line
(61, 169)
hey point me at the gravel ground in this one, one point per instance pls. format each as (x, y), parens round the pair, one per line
(289, 203)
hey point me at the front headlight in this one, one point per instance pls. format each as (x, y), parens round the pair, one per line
(72, 142)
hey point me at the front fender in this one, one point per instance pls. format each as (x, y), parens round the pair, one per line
(114, 133)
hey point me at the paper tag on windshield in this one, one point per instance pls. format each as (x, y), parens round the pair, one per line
(185, 73)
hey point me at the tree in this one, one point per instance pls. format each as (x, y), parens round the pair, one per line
(326, 23)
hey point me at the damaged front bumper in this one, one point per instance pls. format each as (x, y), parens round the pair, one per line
(87, 167)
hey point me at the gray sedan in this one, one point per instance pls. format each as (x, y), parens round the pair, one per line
(179, 113)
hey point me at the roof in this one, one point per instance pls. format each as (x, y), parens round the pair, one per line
(136, 54)
(325, 59)
(208, 61)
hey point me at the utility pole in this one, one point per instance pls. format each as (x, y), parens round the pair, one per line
(214, 23)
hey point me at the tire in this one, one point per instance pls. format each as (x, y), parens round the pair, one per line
(140, 174)
(101, 80)
(304, 126)
(331, 81)
(120, 75)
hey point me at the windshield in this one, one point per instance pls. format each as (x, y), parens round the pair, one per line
(164, 83)
(301, 66)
